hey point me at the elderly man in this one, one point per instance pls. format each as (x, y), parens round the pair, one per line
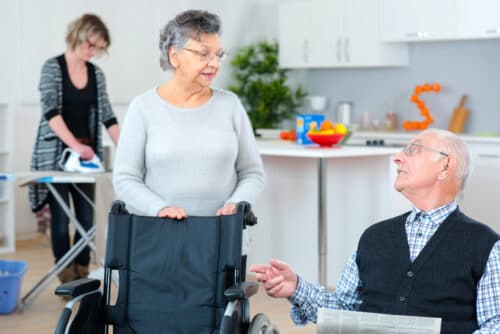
(432, 261)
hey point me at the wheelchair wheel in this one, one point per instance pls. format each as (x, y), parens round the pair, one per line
(261, 325)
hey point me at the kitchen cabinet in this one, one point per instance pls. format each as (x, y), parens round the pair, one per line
(478, 19)
(7, 233)
(337, 33)
(418, 20)
(427, 20)
(482, 193)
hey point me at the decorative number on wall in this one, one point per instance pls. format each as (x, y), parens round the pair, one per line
(424, 111)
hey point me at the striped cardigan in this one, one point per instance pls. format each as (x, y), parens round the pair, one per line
(48, 147)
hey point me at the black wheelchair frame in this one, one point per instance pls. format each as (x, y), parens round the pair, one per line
(227, 312)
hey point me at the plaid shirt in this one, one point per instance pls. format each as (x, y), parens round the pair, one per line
(420, 226)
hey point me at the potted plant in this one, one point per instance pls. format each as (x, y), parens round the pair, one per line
(262, 86)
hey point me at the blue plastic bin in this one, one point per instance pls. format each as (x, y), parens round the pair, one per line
(11, 274)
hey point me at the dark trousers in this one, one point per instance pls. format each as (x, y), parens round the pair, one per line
(59, 226)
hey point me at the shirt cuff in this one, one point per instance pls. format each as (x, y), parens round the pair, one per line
(110, 122)
(300, 295)
(50, 114)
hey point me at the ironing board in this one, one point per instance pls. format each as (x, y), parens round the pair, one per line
(86, 239)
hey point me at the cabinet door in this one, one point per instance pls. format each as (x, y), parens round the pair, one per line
(293, 35)
(478, 19)
(482, 194)
(326, 33)
(418, 20)
(361, 41)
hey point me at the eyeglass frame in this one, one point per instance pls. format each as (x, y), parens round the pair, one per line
(208, 56)
(407, 149)
(93, 46)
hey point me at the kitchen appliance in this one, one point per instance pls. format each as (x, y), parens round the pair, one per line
(71, 162)
(459, 117)
(318, 103)
(344, 111)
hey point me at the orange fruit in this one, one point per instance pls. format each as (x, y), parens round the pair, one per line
(327, 125)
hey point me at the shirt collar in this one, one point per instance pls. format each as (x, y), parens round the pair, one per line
(436, 216)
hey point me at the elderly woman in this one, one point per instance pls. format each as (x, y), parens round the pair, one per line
(187, 148)
(74, 104)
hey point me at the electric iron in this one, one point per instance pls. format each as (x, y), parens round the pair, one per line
(71, 162)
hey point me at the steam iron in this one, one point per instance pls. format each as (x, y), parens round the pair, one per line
(71, 162)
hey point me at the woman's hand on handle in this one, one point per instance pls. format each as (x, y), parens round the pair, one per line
(227, 209)
(172, 212)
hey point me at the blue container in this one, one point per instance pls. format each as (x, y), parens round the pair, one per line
(303, 124)
(11, 274)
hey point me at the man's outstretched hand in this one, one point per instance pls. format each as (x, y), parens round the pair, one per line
(278, 278)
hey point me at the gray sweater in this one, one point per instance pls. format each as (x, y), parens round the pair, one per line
(194, 158)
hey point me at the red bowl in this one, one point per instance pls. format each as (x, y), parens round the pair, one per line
(326, 140)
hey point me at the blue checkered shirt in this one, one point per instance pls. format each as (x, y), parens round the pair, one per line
(420, 226)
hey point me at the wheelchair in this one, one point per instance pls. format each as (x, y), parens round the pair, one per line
(174, 276)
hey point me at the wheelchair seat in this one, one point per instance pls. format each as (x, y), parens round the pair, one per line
(175, 276)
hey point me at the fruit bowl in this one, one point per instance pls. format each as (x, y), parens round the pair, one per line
(326, 140)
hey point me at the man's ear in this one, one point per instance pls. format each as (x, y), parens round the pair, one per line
(448, 167)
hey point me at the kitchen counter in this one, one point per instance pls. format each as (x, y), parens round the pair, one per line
(400, 137)
(290, 149)
(317, 202)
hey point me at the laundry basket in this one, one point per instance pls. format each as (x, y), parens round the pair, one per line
(11, 274)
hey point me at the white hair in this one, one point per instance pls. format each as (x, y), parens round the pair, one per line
(453, 145)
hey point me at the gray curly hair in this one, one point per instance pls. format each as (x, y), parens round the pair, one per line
(189, 24)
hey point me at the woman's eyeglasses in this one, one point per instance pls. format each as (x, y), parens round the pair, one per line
(95, 47)
(205, 56)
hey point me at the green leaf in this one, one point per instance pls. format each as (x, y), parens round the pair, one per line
(263, 87)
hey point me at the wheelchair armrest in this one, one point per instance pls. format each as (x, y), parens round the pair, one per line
(242, 290)
(78, 287)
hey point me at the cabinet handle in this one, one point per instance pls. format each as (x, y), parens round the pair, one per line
(489, 156)
(493, 31)
(418, 34)
(306, 44)
(338, 50)
(346, 50)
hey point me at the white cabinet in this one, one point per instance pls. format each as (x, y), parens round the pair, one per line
(7, 233)
(428, 20)
(336, 33)
(418, 20)
(293, 37)
(481, 197)
(478, 19)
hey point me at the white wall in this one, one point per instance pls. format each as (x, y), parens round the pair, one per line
(32, 31)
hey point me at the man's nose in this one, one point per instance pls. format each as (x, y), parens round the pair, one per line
(397, 158)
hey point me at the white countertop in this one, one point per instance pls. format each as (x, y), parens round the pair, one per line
(287, 148)
(406, 136)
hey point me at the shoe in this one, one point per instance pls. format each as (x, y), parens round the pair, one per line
(82, 271)
(68, 274)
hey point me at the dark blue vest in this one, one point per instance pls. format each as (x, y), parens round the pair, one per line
(442, 280)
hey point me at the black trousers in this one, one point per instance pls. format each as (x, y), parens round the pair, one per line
(59, 226)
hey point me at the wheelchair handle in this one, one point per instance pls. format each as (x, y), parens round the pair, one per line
(249, 218)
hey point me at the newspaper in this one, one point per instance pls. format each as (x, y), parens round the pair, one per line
(349, 322)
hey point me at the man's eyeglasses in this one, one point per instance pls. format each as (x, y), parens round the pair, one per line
(412, 148)
(205, 56)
